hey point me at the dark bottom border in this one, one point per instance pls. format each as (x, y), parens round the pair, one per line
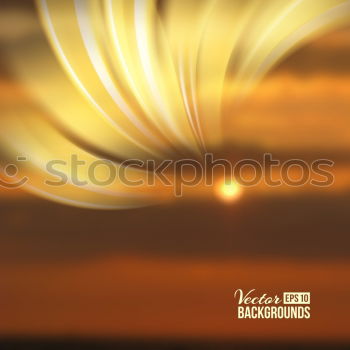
(93, 344)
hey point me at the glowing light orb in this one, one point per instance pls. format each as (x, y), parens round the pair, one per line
(229, 191)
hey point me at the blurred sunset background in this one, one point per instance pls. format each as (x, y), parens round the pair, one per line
(167, 273)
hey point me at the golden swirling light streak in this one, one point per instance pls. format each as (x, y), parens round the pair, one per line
(145, 79)
(125, 72)
(325, 20)
(143, 16)
(320, 24)
(100, 67)
(118, 38)
(41, 150)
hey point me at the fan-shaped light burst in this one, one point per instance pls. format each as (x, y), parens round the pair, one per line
(145, 79)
